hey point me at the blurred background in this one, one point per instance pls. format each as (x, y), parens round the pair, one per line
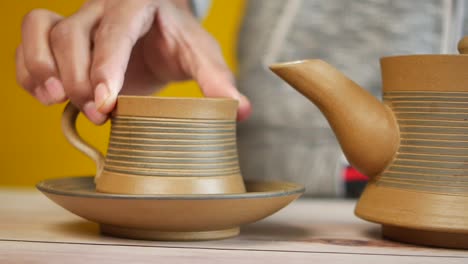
(32, 147)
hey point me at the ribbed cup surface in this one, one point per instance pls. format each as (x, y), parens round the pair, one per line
(147, 146)
(433, 153)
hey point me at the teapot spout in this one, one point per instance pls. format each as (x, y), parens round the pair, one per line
(365, 128)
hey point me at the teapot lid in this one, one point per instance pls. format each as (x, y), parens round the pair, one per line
(463, 45)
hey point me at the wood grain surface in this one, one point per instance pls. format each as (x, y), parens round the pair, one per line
(35, 230)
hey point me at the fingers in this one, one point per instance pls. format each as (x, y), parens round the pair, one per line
(56, 61)
(114, 40)
(207, 66)
(214, 84)
(216, 81)
(36, 69)
(24, 79)
(85, 56)
(70, 40)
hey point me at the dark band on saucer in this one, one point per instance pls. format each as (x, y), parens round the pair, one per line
(84, 187)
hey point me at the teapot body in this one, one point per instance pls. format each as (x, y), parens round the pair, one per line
(414, 146)
(425, 187)
(428, 95)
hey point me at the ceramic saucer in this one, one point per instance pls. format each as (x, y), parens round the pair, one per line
(170, 217)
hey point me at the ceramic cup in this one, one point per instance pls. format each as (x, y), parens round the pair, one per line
(161, 145)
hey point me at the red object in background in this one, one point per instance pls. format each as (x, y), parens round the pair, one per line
(354, 182)
(351, 174)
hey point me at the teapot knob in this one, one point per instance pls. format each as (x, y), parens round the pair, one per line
(463, 45)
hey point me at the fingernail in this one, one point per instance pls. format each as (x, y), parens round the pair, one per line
(90, 110)
(101, 96)
(55, 89)
(42, 95)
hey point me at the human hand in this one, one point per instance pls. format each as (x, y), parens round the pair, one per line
(119, 46)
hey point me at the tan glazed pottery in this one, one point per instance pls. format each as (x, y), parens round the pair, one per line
(166, 146)
(414, 146)
(171, 173)
(170, 217)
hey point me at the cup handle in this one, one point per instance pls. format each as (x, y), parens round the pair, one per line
(69, 130)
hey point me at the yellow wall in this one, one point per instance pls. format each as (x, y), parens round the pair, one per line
(32, 147)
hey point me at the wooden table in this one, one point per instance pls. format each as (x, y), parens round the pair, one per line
(35, 230)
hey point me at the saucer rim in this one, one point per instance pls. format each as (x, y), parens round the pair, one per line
(294, 188)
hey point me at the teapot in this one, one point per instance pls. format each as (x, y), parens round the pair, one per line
(413, 145)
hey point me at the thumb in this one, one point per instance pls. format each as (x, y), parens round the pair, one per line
(114, 39)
